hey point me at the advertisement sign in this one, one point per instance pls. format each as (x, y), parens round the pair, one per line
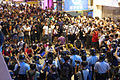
(75, 5)
(48, 3)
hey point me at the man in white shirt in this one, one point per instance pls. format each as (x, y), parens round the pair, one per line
(102, 37)
(71, 33)
(50, 32)
(27, 30)
(45, 32)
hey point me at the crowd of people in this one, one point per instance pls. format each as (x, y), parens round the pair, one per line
(72, 47)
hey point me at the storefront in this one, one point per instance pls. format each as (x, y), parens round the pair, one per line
(54, 4)
(48, 4)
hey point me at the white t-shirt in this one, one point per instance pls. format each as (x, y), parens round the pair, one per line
(102, 37)
(46, 30)
(65, 28)
(27, 28)
(50, 30)
(49, 49)
(52, 26)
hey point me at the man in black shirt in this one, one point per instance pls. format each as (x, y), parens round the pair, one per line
(66, 69)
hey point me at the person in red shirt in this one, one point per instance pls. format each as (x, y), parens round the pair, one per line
(95, 39)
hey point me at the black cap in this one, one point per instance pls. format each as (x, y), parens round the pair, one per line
(66, 58)
(84, 63)
(103, 49)
(22, 57)
(102, 57)
(92, 51)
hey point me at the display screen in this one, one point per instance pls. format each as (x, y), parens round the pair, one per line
(75, 5)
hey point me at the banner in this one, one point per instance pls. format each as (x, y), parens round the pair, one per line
(75, 5)
(112, 3)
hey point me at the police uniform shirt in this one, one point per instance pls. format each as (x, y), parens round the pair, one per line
(75, 57)
(54, 63)
(39, 67)
(92, 60)
(23, 68)
(102, 67)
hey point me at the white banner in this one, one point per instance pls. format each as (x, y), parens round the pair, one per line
(112, 3)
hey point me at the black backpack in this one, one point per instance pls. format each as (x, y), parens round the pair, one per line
(65, 70)
(53, 77)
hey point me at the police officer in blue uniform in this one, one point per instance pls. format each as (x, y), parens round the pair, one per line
(23, 68)
(92, 59)
(101, 68)
(36, 61)
(75, 57)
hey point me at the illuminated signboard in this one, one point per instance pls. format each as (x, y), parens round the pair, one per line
(75, 5)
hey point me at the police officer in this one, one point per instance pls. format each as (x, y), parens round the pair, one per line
(36, 61)
(61, 59)
(75, 57)
(92, 59)
(102, 68)
(112, 52)
(23, 68)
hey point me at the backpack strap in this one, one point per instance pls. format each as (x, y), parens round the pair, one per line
(82, 74)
